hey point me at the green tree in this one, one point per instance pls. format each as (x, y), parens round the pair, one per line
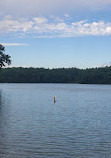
(4, 58)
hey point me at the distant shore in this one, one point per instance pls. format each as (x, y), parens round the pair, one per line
(100, 75)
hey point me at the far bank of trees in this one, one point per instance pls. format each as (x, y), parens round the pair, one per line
(61, 75)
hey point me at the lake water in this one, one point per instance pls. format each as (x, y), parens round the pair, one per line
(78, 125)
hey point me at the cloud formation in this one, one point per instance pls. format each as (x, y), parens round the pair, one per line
(34, 7)
(13, 44)
(41, 27)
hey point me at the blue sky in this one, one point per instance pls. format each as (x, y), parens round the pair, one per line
(54, 33)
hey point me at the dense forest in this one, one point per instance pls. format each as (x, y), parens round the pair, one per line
(61, 75)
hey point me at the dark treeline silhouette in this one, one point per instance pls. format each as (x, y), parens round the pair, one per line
(61, 75)
(4, 58)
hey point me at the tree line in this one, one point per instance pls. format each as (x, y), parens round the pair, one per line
(59, 75)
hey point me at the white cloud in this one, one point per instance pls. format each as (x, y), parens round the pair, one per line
(42, 27)
(7, 25)
(34, 7)
(66, 15)
(14, 44)
(39, 20)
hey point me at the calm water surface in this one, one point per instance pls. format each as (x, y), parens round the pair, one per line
(78, 125)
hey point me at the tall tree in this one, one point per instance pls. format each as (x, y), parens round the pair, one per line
(4, 58)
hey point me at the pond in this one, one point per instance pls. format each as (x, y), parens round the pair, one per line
(77, 125)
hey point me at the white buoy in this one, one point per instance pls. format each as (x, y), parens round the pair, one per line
(54, 99)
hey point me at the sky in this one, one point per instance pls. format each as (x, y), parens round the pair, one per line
(56, 33)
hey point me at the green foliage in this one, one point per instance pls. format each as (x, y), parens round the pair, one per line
(4, 59)
(39, 75)
(60, 75)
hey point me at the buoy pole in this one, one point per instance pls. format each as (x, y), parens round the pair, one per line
(54, 99)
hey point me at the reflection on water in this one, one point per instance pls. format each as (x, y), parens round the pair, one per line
(78, 125)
